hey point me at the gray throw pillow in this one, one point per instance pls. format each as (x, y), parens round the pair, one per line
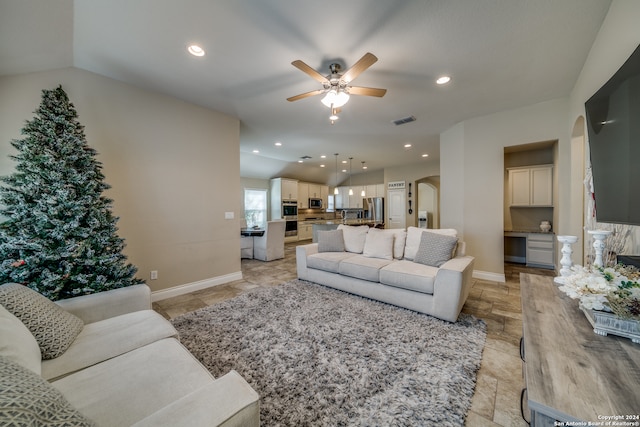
(29, 400)
(330, 241)
(53, 328)
(435, 249)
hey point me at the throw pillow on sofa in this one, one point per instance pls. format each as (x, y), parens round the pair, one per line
(53, 328)
(28, 399)
(354, 237)
(435, 249)
(414, 234)
(330, 241)
(378, 244)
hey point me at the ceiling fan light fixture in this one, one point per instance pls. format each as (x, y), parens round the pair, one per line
(335, 98)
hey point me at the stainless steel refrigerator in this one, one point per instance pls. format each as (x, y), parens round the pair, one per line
(374, 208)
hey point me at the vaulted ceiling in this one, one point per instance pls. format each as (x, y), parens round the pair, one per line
(500, 54)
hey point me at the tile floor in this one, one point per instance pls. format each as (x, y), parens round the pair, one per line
(496, 401)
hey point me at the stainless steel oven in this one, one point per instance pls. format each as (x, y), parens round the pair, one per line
(290, 210)
(291, 228)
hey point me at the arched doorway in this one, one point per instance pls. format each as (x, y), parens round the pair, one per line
(428, 202)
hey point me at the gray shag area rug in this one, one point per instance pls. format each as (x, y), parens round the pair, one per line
(322, 357)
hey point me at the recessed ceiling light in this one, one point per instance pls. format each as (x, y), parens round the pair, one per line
(407, 145)
(278, 144)
(195, 50)
(300, 161)
(365, 167)
(344, 161)
(322, 166)
(425, 155)
(323, 156)
(443, 80)
(256, 151)
(344, 170)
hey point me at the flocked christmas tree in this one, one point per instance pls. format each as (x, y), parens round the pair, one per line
(58, 234)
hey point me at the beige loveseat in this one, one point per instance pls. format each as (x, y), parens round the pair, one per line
(425, 273)
(109, 361)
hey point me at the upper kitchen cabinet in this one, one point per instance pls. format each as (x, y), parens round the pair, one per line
(284, 189)
(531, 186)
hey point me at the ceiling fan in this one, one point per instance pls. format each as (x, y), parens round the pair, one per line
(336, 86)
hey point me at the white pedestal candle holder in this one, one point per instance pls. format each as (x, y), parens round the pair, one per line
(566, 260)
(598, 244)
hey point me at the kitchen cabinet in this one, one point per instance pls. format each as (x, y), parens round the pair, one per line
(303, 195)
(314, 191)
(531, 186)
(305, 231)
(324, 195)
(375, 190)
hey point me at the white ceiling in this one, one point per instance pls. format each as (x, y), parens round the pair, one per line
(501, 54)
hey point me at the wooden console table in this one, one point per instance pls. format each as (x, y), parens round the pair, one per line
(573, 375)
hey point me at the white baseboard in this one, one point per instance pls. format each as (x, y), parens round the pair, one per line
(487, 275)
(195, 286)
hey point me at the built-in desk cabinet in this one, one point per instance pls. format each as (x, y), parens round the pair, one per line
(531, 186)
(572, 375)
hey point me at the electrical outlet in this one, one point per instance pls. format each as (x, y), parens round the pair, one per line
(154, 274)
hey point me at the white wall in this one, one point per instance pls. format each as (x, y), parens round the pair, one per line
(173, 167)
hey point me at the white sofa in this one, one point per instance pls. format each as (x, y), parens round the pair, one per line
(377, 266)
(124, 367)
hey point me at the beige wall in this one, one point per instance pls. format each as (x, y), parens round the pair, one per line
(173, 167)
(472, 174)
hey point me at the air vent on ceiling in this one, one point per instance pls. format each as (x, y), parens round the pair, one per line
(306, 157)
(404, 120)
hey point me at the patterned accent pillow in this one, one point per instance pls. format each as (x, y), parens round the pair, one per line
(54, 328)
(330, 241)
(28, 399)
(435, 249)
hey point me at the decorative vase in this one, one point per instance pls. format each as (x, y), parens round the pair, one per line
(545, 226)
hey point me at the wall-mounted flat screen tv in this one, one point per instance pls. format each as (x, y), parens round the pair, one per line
(613, 126)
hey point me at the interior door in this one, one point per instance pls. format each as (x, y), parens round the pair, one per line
(397, 211)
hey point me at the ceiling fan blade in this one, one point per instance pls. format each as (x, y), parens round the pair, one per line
(310, 71)
(367, 91)
(363, 63)
(305, 95)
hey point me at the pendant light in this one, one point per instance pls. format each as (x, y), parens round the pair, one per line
(350, 188)
(363, 193)
(335, 190)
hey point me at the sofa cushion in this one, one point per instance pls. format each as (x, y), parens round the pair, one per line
(328, 261)
(435, 249)
(130, 387)
(378, 244)
(330, 241)
(53, 328)
(17, 343)
(28, 400)
(409, 275)
(354, 237)
(100, 341)
(362, 267)
(414, 234)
